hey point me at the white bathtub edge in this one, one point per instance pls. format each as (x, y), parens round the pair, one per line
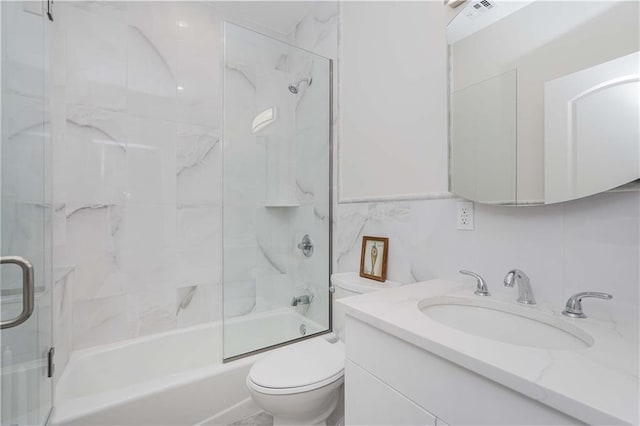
(107, 347)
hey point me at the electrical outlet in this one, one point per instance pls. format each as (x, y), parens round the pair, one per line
(465, 215)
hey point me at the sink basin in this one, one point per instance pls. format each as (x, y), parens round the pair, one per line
(517, 325)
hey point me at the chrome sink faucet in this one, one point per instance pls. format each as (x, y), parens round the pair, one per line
(481, 286)
(573, 308)
(525, 292)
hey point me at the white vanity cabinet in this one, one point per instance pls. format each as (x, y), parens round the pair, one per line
(391, 382)
(373, 402)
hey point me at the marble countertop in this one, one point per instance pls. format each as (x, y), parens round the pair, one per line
(597, 385)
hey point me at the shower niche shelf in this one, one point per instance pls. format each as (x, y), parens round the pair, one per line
(286, 204)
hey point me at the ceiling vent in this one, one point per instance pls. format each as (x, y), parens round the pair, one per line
(483, 5)
(478, 8)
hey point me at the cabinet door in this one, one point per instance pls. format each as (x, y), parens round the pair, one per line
(592, 122)
(455, 394)
(369, 401)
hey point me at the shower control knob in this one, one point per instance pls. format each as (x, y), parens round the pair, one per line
(306, 245)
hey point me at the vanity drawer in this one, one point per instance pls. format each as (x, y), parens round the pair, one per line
(368, 401)
(450, 392)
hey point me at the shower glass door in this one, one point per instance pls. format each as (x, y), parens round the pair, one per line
(25, 340)
(276, 220)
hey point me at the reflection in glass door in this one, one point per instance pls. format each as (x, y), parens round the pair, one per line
(277, 160)
(25, 307)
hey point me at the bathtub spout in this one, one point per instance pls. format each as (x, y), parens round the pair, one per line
(301, 300)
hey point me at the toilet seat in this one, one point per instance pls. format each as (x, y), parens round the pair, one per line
(301, 367)
(299, 389)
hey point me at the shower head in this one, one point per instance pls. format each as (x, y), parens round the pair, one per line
(295, 88)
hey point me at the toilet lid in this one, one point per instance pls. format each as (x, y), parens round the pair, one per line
(299, 364)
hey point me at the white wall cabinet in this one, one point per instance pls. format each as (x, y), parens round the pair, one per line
(389, 381)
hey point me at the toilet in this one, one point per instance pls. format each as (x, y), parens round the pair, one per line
(300, 384)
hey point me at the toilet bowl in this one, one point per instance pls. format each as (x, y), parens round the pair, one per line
(300, 384)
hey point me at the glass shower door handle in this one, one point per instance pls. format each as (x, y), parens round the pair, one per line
(28, 292)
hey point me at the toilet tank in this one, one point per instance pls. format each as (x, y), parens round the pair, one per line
(348, 284)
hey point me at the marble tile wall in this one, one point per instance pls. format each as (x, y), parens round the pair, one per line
(587, 244)
(318, 33)
(136, 163)
(137, 156)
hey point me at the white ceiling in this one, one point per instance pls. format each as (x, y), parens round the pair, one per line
(279, 16)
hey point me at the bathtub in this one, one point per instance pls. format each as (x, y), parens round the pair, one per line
(173, 378)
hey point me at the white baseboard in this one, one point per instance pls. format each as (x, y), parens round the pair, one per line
(244, 408)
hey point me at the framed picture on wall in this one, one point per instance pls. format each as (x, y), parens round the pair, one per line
(373, 261)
